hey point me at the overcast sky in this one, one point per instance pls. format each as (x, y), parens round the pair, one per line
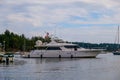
(92, 21)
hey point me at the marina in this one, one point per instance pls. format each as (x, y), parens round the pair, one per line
(59, 40)
(103, 67)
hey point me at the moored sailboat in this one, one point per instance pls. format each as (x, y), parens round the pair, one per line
(117, 52)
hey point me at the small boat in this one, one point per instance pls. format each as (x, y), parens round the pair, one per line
(117, 52)
(61, 50)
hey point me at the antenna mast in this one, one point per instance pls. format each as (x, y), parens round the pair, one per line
(118, 34)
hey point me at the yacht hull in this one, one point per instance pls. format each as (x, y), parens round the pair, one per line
(62, 54)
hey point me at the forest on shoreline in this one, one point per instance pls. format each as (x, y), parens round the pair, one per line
(10, 41)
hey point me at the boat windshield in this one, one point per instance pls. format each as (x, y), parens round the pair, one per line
(53, 48)
(41, 48)
(71, 46)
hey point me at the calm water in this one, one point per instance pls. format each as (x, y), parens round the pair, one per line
(104, 67)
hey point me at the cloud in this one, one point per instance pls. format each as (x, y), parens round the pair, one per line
(44, 15)
(94, 34)
(59, 11)
(23, 19)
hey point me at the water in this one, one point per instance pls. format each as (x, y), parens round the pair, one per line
(104, 67)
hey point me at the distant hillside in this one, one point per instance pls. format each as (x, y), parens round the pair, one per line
(107, 46)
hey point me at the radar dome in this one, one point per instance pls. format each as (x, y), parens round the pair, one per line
(38, 43)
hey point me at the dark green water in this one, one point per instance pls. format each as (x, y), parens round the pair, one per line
(104, 67)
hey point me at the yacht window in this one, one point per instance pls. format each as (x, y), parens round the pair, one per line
(53, 48)
(71, 46)
(41, 48)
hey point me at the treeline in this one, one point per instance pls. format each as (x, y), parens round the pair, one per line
(10, 41)
(107, 46)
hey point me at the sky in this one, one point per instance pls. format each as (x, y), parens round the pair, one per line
(93, 21)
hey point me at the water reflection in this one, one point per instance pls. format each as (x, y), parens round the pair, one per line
(104, 67)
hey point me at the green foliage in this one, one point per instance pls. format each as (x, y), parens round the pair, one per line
(15, 42)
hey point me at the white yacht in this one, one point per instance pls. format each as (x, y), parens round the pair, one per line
(59, 50)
